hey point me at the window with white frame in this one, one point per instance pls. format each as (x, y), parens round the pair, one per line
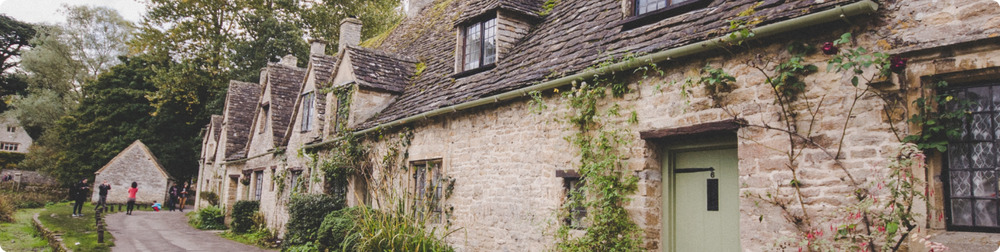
(479, 44)
(259, 182)
(646, 6)
(308, 110)
(9, 146)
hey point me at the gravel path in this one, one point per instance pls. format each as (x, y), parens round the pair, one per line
(165, 231)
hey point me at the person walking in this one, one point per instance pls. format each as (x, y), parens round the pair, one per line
(79, 195)
(131, 197)
(173, 197)
(182, 194)
(103, 200)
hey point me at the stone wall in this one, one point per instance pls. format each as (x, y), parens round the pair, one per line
(132, 165)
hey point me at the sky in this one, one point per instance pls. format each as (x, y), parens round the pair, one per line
(47, 11)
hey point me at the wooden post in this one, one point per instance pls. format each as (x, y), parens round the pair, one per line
(100, 224)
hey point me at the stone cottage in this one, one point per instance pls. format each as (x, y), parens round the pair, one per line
(14, 138)
(134, 164)
(732, 125)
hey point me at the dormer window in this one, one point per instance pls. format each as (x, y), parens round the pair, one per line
(651, 11)
(480, 48)
(645, 6)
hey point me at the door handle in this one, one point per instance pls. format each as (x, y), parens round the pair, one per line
(712, 186)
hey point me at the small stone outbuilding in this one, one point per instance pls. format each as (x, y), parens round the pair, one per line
(135, 163)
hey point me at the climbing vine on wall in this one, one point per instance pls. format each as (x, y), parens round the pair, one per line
(606, 183)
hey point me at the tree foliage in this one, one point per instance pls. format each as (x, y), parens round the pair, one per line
(14, 36)
(322, 20)
(62, 58)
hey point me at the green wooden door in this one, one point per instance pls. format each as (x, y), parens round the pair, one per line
(695, 225)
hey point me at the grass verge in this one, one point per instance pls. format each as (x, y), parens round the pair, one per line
(78, 233)
(258, 237)
(21, 235)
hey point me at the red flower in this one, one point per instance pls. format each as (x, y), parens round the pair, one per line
(897, 64)
(829, 48)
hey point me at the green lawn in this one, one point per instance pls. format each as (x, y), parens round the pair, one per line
(21, 234)
(78, 233)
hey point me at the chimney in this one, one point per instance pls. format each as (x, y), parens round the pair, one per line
(413, 7)
(289, 60)
(350, 33)
(317, 47)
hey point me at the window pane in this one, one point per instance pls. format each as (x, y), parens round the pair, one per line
(986, 213)
(307, 111)
(473, 46)
(489, 42)
(960, 184)
(644, 6)
(961, 211)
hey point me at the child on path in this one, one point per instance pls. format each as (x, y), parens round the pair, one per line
(156, 206)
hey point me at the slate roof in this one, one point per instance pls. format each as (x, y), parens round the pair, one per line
(381, 70)
(528, 8)
(241, 104)
(323, 66)
(286, 83)
(215, 126)
(575, 35)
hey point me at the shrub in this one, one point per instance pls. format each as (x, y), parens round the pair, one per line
(305, 214)
(393, 231)
(7, 209)
(210, 197)
(337, 227)
(243, 215)
(210, 218)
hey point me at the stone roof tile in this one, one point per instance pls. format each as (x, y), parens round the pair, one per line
(323, 67)
(215, 125)
(474, 9)
(577, 34)
(241, 103)
(381, 70)
(286, 83)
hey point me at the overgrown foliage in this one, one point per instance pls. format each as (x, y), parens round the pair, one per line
(606, 183)
(243, 216)
(7, 208)
(210, 197)
(337, 229)
(306, 212)
(208, 218)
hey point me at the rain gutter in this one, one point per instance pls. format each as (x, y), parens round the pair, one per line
(841, 12)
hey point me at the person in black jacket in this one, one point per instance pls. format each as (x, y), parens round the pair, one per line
(173, 197)
(80, 195)
(103, 200)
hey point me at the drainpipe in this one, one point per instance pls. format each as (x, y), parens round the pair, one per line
(837, 13)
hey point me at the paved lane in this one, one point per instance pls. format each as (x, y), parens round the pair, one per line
(165, 231)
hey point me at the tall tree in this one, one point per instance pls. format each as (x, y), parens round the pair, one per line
(114, 113)
(322, 19)
(62, 58)
(14, 37)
